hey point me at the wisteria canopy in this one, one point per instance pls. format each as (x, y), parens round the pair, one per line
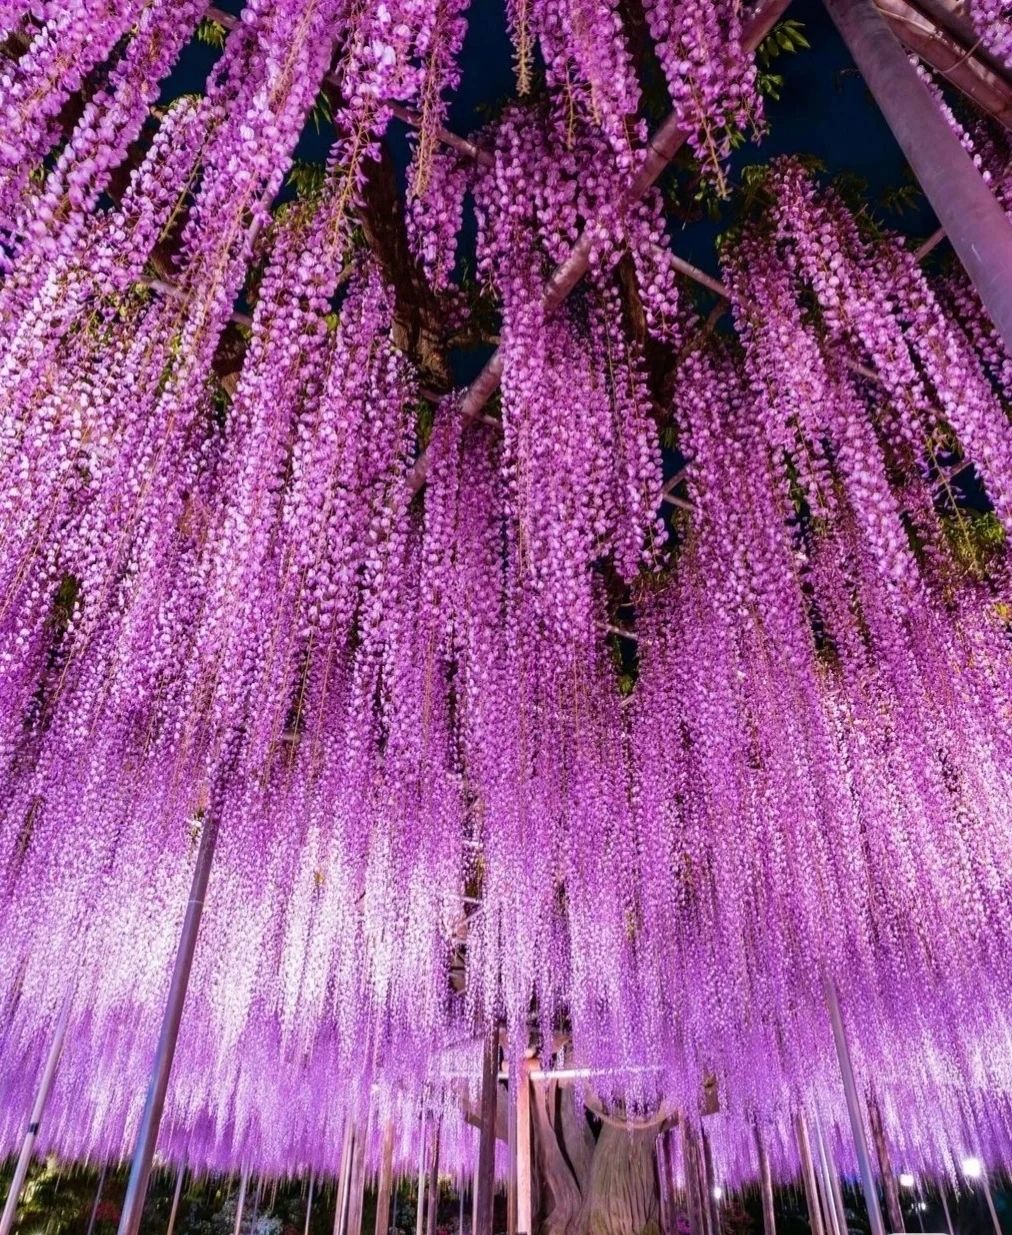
(627, 696)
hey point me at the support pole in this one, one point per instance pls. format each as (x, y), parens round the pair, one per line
(893, 1208)
(356, 1196)
(694, 1200)
(765, 1184)
(525, 1195)
(175, 1202)
(511, 1147)
(831, 1216)
(808, 1178)
(309, 1202)
(710, 1184)
(98, 1198)
(990, 1204)
(151, 1116)
(945, 1209)
(240, 1204)
(384, 1186)
(342, 1183)
(484, 1184)
(433, 1199)
(976, 225)
(663, 1190)
(38, 1109)
(847, 1066)
(420, 1206)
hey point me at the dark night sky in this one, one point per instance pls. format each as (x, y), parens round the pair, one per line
(824, 111)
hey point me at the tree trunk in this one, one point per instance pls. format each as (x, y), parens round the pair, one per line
(584, 1185)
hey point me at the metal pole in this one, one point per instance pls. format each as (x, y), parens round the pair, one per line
(420, 1207)
(175, 1201)
(945, 1209)
(309, 1202)
(831, 1215)
(241, 1202)
(850, 1085)
(41, 1098)
(98, 1198)
(765, 1184)
(990, 1204)
(433, 1207)
(343, 1181)
(974, 222)
(151, 1117)
(710, 1181)
(808, 1175)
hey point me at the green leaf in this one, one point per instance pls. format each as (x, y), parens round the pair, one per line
(212, 33)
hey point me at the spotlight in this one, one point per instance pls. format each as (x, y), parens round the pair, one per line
(907, 1180)
(718, 1192)
(973, 1168)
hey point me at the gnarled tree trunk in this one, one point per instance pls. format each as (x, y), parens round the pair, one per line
(587, 1184)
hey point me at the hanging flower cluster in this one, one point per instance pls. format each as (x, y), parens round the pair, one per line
(222, 604)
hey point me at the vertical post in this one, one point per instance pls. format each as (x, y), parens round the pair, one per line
(894, 1211)
(710, 1182)
(98, 1198)
(420, 1207)
(663, 1191)
(383, 1187)
(990, 1204)
(808, 1175)
(484, 1184)
(460, 1220)
(831, 1216)
(240, 1204)
(694, 1200)
(974, 222)
(175, 1201)
(765, 1184)
(525, 1194)
(356, 1195)
(945, 1209)
(433, 1205)
(38, 1109)
(511, 1174)
(342, 1183)
(151, 1116)
(847, 1071)
(309, 1201)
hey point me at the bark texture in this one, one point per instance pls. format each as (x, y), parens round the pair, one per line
(587, 1184)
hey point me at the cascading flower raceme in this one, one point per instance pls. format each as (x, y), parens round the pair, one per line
(449, 792)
